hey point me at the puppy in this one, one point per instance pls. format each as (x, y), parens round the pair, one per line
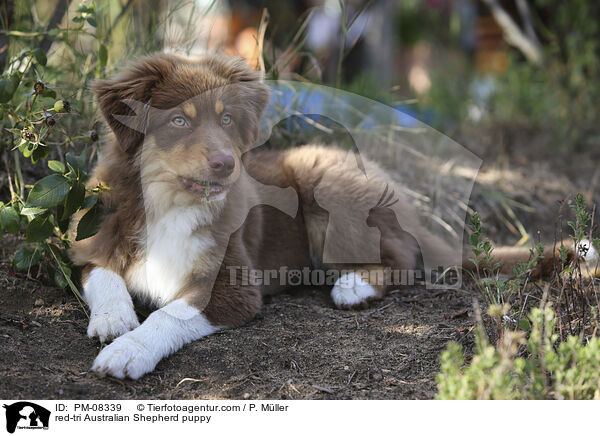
(190, 206)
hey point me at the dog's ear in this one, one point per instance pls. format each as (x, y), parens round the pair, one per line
(253, 95)
(116, 97)
(256, 96)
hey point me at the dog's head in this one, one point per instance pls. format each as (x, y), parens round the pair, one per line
(185, 121)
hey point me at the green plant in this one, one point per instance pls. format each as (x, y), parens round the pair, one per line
(521, 367)
(581, 230)
(496, 290)
(577, 294)
(571, 289)
(533, 357)
(44, 122)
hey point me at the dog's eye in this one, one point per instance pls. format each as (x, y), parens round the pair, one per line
(226, 119)
(179, 122)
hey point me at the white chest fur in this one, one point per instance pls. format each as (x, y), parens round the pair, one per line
(172, 245)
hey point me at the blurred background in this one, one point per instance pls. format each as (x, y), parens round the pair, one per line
(517, 82)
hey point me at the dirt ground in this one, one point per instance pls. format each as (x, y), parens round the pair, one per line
(299, 347)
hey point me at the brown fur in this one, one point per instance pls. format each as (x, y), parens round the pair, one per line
(268, 238)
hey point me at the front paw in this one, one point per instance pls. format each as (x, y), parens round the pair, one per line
(125, 357)
(112, 320)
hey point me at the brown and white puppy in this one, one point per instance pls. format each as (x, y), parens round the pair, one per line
(188, 203)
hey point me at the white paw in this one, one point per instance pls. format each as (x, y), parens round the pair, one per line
(112, 320)
(125, 357)
(587, 251)
(351, 290)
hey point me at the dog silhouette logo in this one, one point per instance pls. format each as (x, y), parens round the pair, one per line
(26, 415)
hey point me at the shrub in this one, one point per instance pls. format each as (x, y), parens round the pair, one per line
(532, 357)
(523, 368)
(493, 288)
(45, 128)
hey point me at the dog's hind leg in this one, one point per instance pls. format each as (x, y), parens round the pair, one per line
(355, 288)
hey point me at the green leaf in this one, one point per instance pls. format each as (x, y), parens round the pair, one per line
(32, 211)
(89, 223)
(79, 163)
(102, 55)
(74, 200)
(10, 220)
(27, 149)
(26, 257)
(63, 223)
(92, 21)
(524, 324)
(8, 87)
(89, 201)
(48, 192)
(40, 228)
(56, 166)
(59, 277)
(6, 90)
(40, 56)
(473, 239)
(56, 252)
(40, 153)
(49, 92)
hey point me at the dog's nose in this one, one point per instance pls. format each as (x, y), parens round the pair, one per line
(221, 165)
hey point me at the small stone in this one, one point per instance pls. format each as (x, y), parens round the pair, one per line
(246, 395)
(377, 376)
(39, 302)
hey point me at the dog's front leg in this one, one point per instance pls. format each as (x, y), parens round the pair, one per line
(164, 332)
(111, 308)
